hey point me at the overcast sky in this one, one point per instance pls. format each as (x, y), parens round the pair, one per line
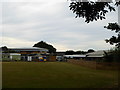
(26, 22)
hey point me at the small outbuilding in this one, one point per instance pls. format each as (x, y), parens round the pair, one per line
(15, 56)
(5, 56)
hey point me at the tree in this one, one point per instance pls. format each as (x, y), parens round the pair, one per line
(90, 50)
(92, 10)
(97, 10)
(114, 55)
(43, 44)
(5, 49)
(69, 52)
(114, 39)
(80, 52)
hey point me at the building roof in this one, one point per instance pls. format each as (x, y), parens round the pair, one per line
(99, 53)
(71, 56)
(29, 49)
(15, 54)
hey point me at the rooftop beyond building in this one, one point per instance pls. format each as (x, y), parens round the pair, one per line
(29, 49)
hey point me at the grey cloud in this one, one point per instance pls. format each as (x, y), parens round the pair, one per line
(58, 26)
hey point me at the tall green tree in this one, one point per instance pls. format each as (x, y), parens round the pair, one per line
(43, 44)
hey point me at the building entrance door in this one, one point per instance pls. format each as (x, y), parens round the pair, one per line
(29, 58)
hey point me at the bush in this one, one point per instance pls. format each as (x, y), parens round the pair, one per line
(112, 56)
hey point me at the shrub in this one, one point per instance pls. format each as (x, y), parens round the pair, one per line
(112, 56)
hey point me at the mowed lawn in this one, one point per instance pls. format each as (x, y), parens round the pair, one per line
(55, 75)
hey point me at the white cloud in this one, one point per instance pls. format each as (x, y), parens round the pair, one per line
(14, 42)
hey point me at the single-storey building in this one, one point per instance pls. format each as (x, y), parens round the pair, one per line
(29, 54)
(97, 55)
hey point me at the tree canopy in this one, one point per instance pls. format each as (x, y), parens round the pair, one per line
(97, 10)
(4, 48)
(92, 10)
(71, 52)
(43, 44)
(90, 50)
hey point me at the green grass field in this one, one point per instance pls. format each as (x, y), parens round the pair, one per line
(55, 75)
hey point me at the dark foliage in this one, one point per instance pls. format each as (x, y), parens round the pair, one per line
(80, 52)
(71, 52)
(112, 56)
(4, 48)
(91, 50)
(91, 10)
(114, 39)
(7, 50)
(42, 44)
(96, 11)
(108, 57)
